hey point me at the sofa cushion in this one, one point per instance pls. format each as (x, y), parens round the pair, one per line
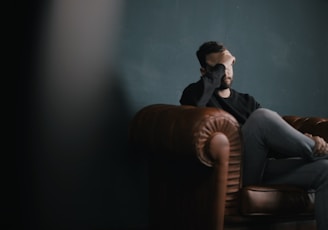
(278, 200)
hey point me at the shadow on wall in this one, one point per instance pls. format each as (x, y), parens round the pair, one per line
(73, 165)
(82, 175)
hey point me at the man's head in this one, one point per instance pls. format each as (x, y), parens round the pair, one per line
(212, 53)
(206, 49)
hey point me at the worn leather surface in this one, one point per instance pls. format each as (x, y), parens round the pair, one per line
(181, 130)
(195, 161)
(314, 125)
(276, 200)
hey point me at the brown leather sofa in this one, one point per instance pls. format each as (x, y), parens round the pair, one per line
(195, 161)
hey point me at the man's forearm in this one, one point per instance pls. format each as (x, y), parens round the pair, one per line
(201, 92)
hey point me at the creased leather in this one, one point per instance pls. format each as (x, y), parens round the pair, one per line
(195, 168)
(183, 130)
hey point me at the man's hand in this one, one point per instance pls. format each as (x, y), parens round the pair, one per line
(321, 146)
(224, 57)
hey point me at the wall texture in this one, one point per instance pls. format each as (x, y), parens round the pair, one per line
(281, 49)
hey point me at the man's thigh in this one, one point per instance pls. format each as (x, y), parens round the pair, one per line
(295, 171)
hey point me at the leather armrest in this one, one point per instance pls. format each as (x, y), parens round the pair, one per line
(314, 125)
(209, 135)
(173, 129)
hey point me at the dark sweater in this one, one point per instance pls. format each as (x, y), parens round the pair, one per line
(204, 93)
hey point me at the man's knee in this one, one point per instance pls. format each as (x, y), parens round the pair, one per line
(263, 113)
(262, 118)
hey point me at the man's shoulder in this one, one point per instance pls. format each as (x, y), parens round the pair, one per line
(239, 94)
(245, 98)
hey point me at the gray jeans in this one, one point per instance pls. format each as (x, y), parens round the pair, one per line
(264, 133)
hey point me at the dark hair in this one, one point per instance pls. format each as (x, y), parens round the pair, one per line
(207, 48)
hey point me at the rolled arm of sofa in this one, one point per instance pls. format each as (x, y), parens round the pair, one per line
(316, 126)
(173, 129)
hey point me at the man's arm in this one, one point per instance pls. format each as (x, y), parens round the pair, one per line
(199, 93)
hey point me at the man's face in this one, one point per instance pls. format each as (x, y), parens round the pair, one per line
(216, 58)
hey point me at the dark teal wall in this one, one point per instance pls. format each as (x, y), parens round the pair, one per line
(281, 49)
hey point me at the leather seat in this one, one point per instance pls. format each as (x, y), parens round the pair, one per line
(195, 161)
(279, 201)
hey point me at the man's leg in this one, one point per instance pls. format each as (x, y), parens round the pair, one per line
(304, 174)
(265, 131)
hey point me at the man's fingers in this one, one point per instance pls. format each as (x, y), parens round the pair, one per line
(320, 146)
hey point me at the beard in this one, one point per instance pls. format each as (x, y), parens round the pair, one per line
(226, 83)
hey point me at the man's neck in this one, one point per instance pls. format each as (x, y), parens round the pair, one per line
(224, 93)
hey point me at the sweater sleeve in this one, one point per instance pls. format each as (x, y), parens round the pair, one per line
(199, 93)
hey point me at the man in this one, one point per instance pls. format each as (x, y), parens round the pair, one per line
(265, 133)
